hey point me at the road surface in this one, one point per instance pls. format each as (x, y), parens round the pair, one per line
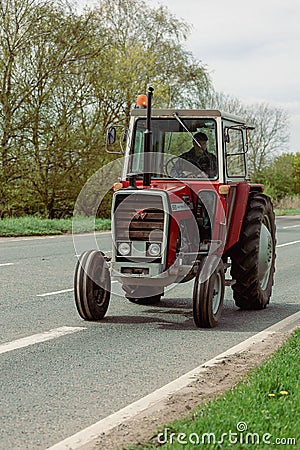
(60, 374)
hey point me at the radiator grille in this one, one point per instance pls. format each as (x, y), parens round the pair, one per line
(139, 217)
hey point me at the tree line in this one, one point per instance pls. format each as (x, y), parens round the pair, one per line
(65, 76)
(281, 177)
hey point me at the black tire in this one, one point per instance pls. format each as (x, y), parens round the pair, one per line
(208, 293)
(253, 257)
(92, 285)
(141, 294)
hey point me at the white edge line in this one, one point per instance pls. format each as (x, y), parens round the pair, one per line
(93, 432)
(287, 243)
(7, 264)
(37, 338)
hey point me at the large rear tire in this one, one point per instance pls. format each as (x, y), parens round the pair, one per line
(92, 285)
(208, 293)
(253, 257)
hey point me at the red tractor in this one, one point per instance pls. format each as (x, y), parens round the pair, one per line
(184, 209)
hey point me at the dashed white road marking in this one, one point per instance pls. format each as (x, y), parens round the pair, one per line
(290, 226)
(8, 239)
(55, 292)
(288, 243)
(6, 264)
(115, 281)
(37, 338)
(46, 294)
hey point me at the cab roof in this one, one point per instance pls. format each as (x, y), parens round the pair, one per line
(209, 113)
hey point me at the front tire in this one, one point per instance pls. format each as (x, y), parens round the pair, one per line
(208, 293)
(253, 257)
(92, 285)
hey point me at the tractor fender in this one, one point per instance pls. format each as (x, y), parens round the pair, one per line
(236, 208)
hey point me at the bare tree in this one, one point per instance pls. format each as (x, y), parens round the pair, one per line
(270, 136)
(43, 50)
(17, 25)
(271, 133)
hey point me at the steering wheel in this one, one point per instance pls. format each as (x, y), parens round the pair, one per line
(170, 165)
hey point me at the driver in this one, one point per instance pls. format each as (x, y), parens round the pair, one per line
(198, 157)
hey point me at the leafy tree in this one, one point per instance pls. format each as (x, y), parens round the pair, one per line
(296, 173)
(44, 134)
(146, 47)
(55, 131)
(279, 176)
(65, 76)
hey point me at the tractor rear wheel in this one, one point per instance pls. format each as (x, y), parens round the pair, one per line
(142, 294)
(253, 257)
(208, 293)
(92, 285)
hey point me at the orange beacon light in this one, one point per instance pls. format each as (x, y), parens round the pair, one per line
(141, 101)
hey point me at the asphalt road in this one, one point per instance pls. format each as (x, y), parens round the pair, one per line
(53, 389)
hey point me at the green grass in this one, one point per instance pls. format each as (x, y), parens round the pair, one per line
(36, 226)
(266, 403)
(286, 212)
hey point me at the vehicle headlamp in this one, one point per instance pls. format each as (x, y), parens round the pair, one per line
(154, 249)
(124, 248)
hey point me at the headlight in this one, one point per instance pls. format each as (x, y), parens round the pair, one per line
(154, 250)
(124, 248)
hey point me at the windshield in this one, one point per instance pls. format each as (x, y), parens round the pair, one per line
(184, 148)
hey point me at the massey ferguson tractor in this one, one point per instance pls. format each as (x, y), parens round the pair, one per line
(183, 209)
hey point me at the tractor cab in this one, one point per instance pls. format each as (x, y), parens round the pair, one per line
(174, 135)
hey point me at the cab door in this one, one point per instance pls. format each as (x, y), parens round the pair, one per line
(235, 174)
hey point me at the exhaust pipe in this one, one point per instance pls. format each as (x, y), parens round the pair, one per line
(148, 141)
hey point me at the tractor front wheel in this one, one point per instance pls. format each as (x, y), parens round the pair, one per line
(92, 285)
(208, 294)
(253, 257)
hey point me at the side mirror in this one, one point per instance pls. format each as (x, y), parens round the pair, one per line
(111, 134)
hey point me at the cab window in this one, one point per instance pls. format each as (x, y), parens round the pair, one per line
(234, 152)
(170, 141)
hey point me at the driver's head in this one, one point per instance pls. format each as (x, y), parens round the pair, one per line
(202, 139)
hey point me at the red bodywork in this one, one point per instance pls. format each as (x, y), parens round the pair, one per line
(229, 209)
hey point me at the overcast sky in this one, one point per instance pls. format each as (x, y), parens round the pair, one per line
(252, 49)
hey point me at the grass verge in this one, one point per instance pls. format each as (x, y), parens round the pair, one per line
(261, 412)
(286, 212)
(36, 226)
